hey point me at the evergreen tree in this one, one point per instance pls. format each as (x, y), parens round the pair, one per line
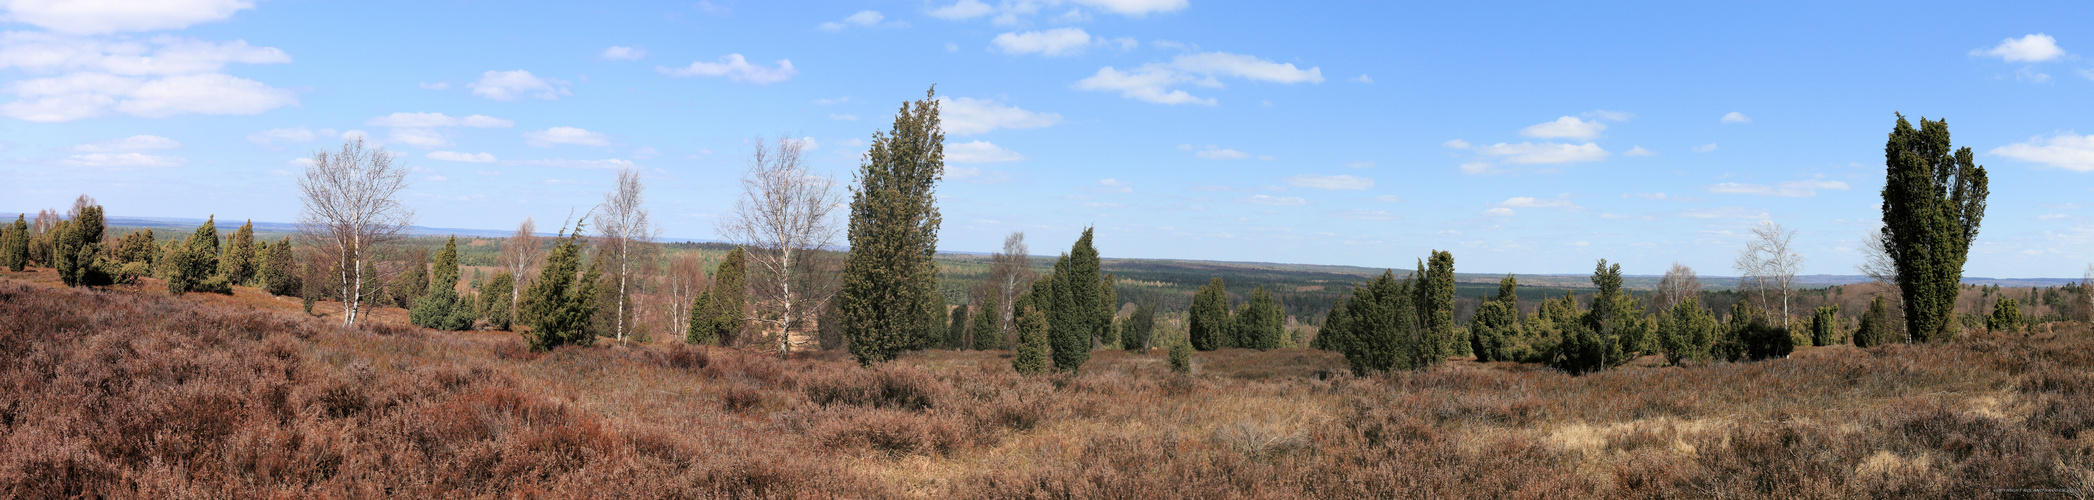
(729, 298)
(406, 290)
(238, 266)
(14, 245)
(1495, 325)
(1261, 323)
(1109, 302)
(1875, 326)
(1209, 319)
(1435, 307)
(1594, 341)
(2006, 315)
(1686, 331)
(494, 300)
(1031, 357)
(932, 333)
(1181, 356)
(1136, 331)
(1074, 318)
(889, 276)
(560, 302)
(79, 250)
(987, 335)
(956, 330)
(204, 244)
(1825, 326)
(1330, 336)
(1933, 201)
(279, 274)
(178, 265)
(1381, 328)
(440, 307)
(705, 322)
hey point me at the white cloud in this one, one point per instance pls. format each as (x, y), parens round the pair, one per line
(1362, 79)
(1560, 203)
(646, 152)
(1360, 164)
(1532, 153)
(1477, 167)
(565, 135)
(603, 164)
(1647, 196)
(1151, 82)
(44, 53)
(132, 143)
(1112, 186)
(621, 53)
(1735, 117)
(86, 95)
(1612, 116)
(847, 117)
(1726, 213)
(461, 157)
(98, 17)
(2032, 48)
(1788, 189)
(1566, 127)
(736, 68)
(969, 116)
(1051, 43)
(1388, 198)
(1704, 148)
(123, 160)
(419, 137)
(267, 137)
(356, 135)
(1136, 8)
(2052, 217)
(1278, 201)
(862, 18)
(1331, 182)
(433, 120)
(1213, 152)
(979, 152)
(517, 84)
(1498, 212)
(963, 9)
(2064, 150)
(1639, 151)
(1361, 214)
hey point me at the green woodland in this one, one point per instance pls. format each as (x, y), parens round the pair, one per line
(890, 289)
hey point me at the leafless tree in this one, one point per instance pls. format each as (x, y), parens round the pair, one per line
(1011, 271)
(783, 215)
(685, 280)
(1768, 265)
(79, 204)
(1679, 283)
(1875, 260)
(520, 255)
(351, 207)
(628, 234)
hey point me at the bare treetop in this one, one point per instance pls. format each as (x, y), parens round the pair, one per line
(350, 203)
(783, 214)
(1769, 265)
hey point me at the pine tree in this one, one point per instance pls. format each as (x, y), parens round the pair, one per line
(1933, 201)
(2006, 316)
(14, 245)
(705, 321)
(238, 266)
(1260, 325)
(1075, 310)
(889, 276)
(1031, 355)
(279, 274)
(560, 302)
(987, 335)
(440, 307)
(494, 300)
(956, 330)
(1109, 299)
(1435, 306)
(1380, 330)
(1208, 325)
(1875, 326)
(730, 298)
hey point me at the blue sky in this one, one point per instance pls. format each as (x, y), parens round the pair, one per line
(1523, 137)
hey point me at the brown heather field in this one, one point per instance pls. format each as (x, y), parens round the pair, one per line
(130, 393)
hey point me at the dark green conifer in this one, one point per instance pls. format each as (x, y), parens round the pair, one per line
(986, 334)
(1208, 326)
(238, 264)
(1031, 356)
(1933, 201)
(14, 245)
(561, 303)
(729, 299)
(889, 277)
(1075, 316)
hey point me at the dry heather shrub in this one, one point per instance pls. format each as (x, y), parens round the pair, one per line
(884, 429)
(883, 386)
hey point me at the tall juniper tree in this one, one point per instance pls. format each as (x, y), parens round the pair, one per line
(562, 300)
(889, 276)
(1208, 321)
(1075, 310)
(1933, 200)
(14, 245)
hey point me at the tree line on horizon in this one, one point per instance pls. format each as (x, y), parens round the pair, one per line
(880, 297)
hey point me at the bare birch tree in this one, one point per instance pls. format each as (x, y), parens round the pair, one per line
(1768, 264)
(520, 255)
(685, 280)
(1012, 273)
(629, 233)
(1679, 283)
(1875, 259)
(351, 207)
(782, 216)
